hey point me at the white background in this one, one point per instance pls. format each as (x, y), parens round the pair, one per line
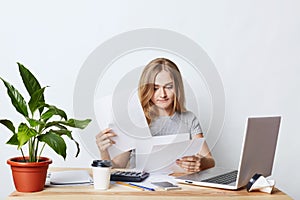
(254, 45)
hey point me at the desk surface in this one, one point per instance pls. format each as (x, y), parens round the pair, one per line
(122, 192)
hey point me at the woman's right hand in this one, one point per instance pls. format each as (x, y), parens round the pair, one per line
(103, 139)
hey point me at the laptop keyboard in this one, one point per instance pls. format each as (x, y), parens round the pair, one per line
(223, 178)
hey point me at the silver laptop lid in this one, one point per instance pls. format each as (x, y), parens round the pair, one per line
(258, 148)
(257, 155)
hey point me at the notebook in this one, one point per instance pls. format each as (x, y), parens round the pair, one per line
(69, 177)
(257, 156)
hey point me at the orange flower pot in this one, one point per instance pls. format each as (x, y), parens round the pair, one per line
(29, 176)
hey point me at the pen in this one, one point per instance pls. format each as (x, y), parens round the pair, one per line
(143, 187)
(129, 185)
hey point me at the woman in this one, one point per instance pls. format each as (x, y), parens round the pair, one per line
(162, 98)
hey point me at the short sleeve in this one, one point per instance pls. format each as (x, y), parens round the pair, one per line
(195, 124)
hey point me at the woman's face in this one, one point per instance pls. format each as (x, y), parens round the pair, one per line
(163, 95)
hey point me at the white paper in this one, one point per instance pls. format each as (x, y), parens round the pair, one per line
(147, 149)
(263, 185)
(126, 119)
(162, 158)
(123, 142)
(70, 177)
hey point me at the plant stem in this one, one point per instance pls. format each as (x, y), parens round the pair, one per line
(42, 149)
(36, 151)
(23, 154)
(29, 150)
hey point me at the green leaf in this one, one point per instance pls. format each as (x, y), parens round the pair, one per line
(34, 122)
(54, 123)
(71, 123)
(8, 124)
(69, 134)
(62, 132)
(25, 133)
(30, 82)
(60, 126)
(47, 115)
(16, 98)
(55, 141)
(36, 99)
(76, 123)
(13, 140)
(52, 110)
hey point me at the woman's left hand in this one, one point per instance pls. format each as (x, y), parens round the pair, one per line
(190, 163)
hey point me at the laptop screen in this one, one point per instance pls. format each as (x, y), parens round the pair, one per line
(259, 147)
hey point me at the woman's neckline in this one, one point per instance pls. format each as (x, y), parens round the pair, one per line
(168, 116)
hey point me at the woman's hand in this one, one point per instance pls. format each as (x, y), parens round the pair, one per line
(103, 139)
(190, 163)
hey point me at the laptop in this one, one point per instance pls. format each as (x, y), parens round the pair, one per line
(257, 156)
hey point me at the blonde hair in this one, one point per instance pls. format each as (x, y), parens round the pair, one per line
(146, 87)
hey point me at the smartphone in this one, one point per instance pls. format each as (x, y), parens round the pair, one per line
(166, 185)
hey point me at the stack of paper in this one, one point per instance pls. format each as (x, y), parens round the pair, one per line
(72, 177)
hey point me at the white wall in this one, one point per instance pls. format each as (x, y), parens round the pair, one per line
(254, 46)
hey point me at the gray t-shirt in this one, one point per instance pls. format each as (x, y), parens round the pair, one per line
(178, 123)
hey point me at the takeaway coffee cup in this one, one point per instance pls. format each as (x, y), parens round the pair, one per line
(101, 174)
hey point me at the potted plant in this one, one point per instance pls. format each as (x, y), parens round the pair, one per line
(44, 124)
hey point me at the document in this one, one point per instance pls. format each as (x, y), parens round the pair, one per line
(128, 121)
(71, 177)
(163, 156)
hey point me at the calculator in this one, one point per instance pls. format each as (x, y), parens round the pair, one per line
(128, 176)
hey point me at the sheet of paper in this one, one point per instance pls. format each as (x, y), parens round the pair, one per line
(72, 177)
(123, 142)
(194, 147)
(144, 148)
(126, 119)
(162, 158)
